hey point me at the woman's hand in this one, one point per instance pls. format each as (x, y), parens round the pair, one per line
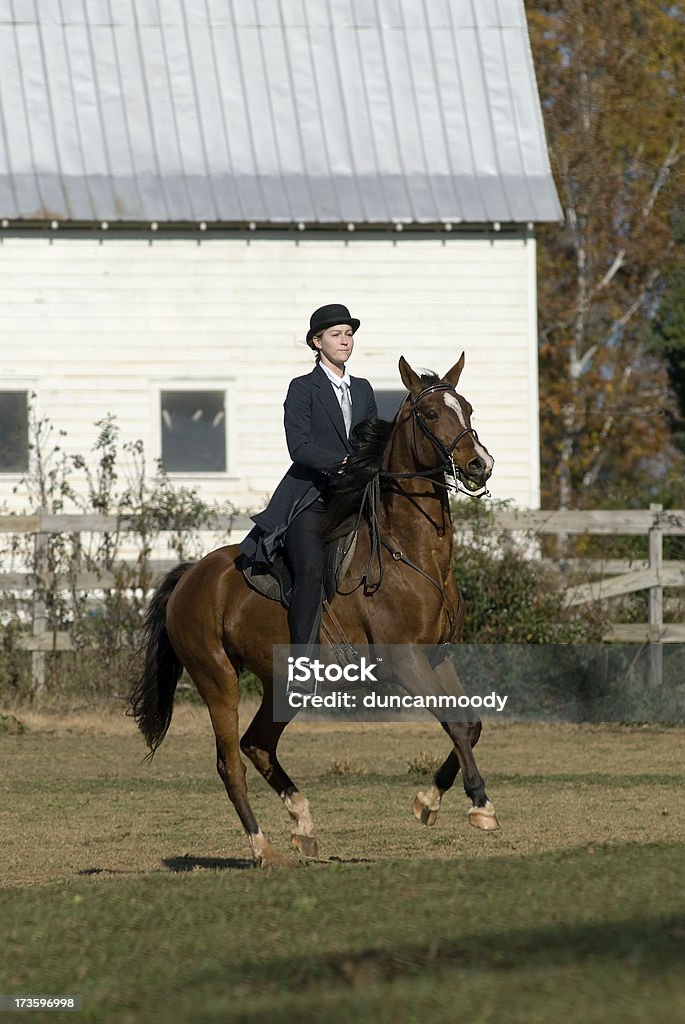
(342, 466)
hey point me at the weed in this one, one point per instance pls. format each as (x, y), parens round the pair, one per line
(11, 726)
(345, 766)
(424, 764)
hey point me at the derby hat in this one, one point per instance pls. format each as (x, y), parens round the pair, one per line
(329, 316)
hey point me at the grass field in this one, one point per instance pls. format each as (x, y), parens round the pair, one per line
(129, 884)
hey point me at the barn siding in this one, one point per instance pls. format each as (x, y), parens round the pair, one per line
(97, 326)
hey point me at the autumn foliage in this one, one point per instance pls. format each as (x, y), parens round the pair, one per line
(611, 79)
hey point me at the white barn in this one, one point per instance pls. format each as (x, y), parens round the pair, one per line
(182, 184)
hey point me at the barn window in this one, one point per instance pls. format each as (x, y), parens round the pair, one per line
(14, 431)
(388, 402)
(193, 431)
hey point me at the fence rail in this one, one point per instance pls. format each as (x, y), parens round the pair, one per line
(45, 522)
(624, 522)
(42, 639)
(653, 575)
(616, 577)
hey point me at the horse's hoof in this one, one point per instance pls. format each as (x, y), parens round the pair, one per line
(484, 818)
(307, 845)
(273, 859)
(266, 857)
(423, 811)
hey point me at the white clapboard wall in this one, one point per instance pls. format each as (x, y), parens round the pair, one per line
(101, 325)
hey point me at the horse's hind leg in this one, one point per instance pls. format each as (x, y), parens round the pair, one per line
(221, 693)
(259, 744)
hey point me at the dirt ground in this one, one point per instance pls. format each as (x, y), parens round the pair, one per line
(80, 802)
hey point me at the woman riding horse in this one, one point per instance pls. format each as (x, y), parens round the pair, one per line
(206, 617)
(321, 408)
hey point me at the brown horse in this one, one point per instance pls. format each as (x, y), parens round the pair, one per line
(206, 617)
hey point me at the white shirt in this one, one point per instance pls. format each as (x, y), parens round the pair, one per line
(338, 382)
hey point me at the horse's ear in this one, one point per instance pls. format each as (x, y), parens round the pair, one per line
(452, 376)
(410, 378)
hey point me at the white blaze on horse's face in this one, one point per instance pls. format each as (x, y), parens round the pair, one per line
(453, 403)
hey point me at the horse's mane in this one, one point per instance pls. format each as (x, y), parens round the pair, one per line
(344, 493)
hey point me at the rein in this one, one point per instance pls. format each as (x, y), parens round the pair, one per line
(371, 501)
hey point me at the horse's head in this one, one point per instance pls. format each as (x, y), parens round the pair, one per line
(441, 426)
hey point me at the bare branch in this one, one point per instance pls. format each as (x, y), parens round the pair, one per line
(634, 307)
(585, 360)
(619, 262)
(598, 453)
(579, 366)
(671, 159)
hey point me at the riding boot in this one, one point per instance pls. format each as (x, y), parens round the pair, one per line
(306, 552)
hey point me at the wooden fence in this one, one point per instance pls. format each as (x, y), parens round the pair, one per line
(42, 638)
(619, 577)
(616, 578)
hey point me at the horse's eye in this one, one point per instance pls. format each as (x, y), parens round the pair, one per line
(431, 415)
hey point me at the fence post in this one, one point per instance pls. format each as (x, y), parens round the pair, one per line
(656, 600)
(39, 623)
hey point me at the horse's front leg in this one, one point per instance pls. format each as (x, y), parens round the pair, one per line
(427, 801)
(418, 676)
(464, 736)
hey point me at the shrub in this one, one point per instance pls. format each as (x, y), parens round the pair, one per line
(511, 595)
(103, 621)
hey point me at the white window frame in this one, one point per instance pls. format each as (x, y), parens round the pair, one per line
(229, 387)
(27, 387)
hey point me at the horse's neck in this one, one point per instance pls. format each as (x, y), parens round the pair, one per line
(415, 510)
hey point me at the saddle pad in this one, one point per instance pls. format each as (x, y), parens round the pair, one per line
(277, 583)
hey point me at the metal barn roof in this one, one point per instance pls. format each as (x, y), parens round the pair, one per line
(280, 111)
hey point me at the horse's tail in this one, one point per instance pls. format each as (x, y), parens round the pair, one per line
(152, 698)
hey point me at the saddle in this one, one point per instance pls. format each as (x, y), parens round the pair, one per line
(275, 581)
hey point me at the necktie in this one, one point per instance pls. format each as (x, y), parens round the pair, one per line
(346, 406)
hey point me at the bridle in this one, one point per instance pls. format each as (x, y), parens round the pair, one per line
(449, 467)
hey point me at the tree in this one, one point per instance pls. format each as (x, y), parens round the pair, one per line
(610, 77)
(668, 335)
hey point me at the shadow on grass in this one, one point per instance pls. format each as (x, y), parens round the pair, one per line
(103, 871)
(187, 863)
(647, 944)
(654, 943)
(346, 860)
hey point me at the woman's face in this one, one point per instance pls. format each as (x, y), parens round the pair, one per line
(336, 344)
